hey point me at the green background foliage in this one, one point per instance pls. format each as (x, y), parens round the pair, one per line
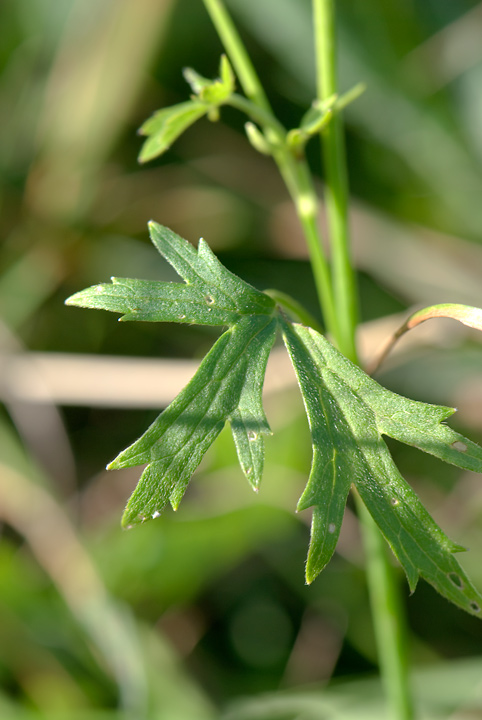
(185, 615)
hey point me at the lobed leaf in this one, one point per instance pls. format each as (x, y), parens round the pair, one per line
(409, 421)
(248, 422)
(211, 294)
(175, 443)
(333, 445)
(227, 386)
(351, 411)
(165, 126)
(348, 414)
(212, 92)
(196, 81)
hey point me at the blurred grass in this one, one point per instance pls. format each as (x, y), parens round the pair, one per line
(193, 611)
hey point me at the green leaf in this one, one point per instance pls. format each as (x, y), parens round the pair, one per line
(333, 444)
(214, 92)
(227, 385)
(177, 440)
(348, 414)
(248, 422)
(226, 74)
(165, 126)
(211, 294)
(196, 81)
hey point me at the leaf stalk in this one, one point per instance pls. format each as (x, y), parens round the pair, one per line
(388, 617)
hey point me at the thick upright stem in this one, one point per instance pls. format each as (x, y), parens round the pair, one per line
(336, 187)
(386, 608)
(388, 618)
(237, 53)
(387, 612)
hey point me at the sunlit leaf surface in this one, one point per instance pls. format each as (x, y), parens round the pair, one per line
(348, 412)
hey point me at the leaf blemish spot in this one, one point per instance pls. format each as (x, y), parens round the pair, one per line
(331, 528)
(252, 435)
(460, 446)
(209, 299)
(394, 502)
(156, 514)
(474, 607)
(182, 317)
(456, 580)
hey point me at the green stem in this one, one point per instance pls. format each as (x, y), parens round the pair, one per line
(336, 191)
(388, 615)
(298, 180)
(295, 171)
(389, 618)
(237, 53)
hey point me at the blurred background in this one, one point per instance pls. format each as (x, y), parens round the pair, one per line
(205, 614)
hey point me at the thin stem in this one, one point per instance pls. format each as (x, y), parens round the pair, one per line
(388, 616)
(237, 53)
(295, 171)
(298, 180)
(336, 192)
